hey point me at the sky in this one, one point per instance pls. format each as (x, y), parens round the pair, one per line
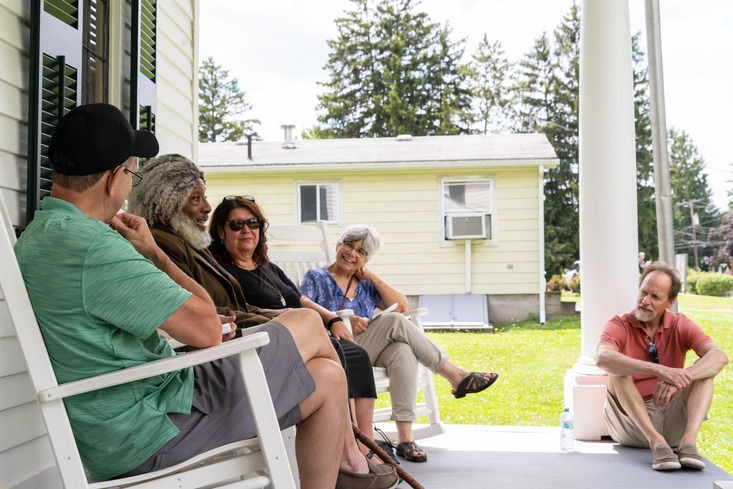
(277, 51)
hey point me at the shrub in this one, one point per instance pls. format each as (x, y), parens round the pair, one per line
(575, 284)
(556, 283)
(716, 284)
(692, 277)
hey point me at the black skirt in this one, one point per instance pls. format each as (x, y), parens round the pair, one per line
(359, 373)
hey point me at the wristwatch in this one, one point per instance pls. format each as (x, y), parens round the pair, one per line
(333, 320)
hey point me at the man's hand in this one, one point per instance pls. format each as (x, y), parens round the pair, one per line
(663, 394)
(358, 324)
(677, 377)
(135, 230)
(341, 332)
(228, 320)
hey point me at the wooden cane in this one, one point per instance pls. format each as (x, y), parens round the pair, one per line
(384, 456)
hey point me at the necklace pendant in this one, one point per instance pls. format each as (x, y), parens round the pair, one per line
(282, 301)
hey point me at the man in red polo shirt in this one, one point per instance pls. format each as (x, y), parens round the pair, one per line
(652, 399)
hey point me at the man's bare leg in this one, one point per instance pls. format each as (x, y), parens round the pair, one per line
(631, 402)
(698, 398)
(310, 337)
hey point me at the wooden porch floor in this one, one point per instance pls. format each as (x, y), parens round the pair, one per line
(483, 457)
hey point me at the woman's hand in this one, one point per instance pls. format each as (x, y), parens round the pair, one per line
(358, 324)
(363, 273)
(341, 332)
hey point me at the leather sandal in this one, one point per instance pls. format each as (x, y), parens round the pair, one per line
(474, 383)
(409, 449)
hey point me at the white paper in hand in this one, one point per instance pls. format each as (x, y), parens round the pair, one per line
(389, 309)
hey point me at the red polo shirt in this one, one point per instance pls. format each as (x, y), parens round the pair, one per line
(676, 336)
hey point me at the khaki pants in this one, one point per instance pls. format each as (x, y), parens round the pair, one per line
(669, 421)
(395, 343)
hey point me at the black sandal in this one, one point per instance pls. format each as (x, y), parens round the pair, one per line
(407, 449)
(474, 383)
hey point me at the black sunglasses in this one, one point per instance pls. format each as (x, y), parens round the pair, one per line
(238, 197)
(237, 225)
(651, 350)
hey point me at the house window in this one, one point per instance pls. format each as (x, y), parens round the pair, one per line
(468, 209)
(319, 201)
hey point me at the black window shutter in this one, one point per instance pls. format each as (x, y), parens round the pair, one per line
(56, 54)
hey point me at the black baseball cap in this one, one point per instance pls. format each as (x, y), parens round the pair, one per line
(95, 138)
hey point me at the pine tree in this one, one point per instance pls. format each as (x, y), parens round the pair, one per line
(490, 72)
(691, 196)
(221, 103)
(392, 71)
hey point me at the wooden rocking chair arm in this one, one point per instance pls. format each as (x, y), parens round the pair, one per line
(158, 367)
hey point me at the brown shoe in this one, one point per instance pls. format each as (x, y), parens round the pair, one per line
(664, 458)
(690, 457)
(382, 476)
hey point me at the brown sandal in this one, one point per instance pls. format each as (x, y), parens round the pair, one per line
(474, 383)
(408, 449)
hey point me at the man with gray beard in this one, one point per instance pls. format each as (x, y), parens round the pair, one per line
(652, 400)
(172, 198)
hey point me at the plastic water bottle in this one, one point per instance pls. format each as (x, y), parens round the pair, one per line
(567, 434)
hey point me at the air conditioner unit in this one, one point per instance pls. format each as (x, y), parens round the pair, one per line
(466, 226)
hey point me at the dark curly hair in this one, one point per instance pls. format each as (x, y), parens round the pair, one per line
(218, 221)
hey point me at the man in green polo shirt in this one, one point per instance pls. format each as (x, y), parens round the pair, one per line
(101, 288)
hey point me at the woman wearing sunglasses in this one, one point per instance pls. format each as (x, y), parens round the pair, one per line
(239, 243)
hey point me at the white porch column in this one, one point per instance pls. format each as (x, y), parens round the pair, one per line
(608, 223)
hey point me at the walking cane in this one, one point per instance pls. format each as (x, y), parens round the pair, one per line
(383, 455)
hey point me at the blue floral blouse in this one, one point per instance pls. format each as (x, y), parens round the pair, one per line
(321, 288)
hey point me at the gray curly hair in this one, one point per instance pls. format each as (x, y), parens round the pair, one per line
(168, 181)
(367, 234)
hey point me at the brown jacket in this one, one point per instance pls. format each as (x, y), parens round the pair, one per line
(202, 267)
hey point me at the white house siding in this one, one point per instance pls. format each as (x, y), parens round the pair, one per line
(177, 118)
(24, 447)
(405, 209)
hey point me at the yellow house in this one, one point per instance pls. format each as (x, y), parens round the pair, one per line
(457, 214)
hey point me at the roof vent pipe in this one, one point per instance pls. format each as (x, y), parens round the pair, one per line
(289, 142)
(404, 137)
(249, 147)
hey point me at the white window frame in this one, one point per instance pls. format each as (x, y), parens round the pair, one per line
(491, 212)
(318, 183)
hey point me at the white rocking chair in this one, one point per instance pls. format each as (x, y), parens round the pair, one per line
(256, 463)
(298, 248)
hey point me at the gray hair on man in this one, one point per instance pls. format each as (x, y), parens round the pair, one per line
(367, 234)
(167, 183)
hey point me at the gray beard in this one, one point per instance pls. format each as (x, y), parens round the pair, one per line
(644, 316)
(191, 234)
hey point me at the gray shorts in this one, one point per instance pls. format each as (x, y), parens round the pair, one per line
(220, 412)
(669, 421)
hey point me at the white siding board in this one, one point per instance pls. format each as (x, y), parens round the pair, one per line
(20, 424)
(23, 461)
(17, 390)
(13, 362)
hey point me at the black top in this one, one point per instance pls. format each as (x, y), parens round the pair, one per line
(261, 285)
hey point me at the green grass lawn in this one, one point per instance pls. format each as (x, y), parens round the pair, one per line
(532, 359)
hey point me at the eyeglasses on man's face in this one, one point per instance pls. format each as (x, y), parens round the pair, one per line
(136, 177)
(237, 225)
(651, 350)
(350, 246)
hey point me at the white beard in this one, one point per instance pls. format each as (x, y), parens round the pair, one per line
(191, 234)
(644, 316)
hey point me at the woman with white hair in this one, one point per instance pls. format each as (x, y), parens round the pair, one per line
(391, 340)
